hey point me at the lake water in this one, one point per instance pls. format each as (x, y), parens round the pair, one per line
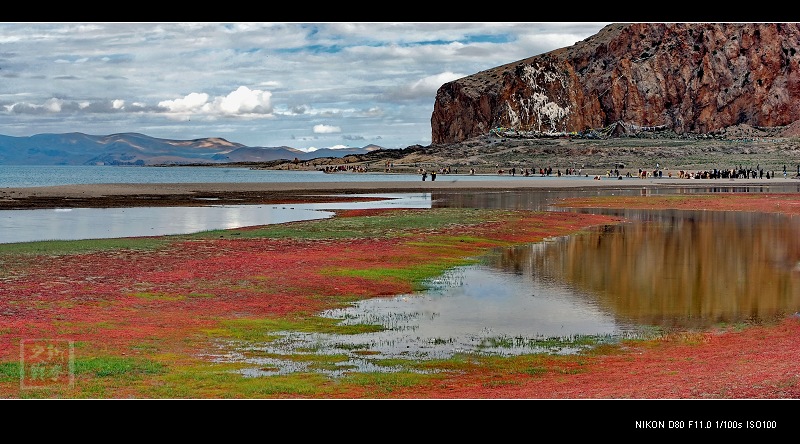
(105, 223)
(14, 176)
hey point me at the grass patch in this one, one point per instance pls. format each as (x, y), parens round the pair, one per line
(391, 223)
(553, 344)
(307, 385)
(112, 366)
(9, 371)
(224, 381)
(418, 275)
(62, 247)
(384, 384)
(264, 330)
(535, 371)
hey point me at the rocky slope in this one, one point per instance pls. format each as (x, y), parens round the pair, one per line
(689, 78)
(768, 148)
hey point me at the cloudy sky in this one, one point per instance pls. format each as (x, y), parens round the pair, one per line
(303, 85)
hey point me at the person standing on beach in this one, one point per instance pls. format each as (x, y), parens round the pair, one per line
(424, 175)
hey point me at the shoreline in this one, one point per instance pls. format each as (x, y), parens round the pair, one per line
(197, 194)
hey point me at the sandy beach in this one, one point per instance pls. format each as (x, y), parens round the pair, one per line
(182, 194)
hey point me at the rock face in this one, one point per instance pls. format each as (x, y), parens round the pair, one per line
(690, 78)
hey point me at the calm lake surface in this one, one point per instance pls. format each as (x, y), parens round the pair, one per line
(14, 176)
(105, 223)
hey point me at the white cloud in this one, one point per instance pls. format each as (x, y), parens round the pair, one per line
(424, 88)
(53, 105)
(244, 101)
(194, 102)
(430, 84)
(312, 148)
(326, 129)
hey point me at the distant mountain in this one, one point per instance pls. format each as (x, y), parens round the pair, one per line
(139, 149)
(256, 154)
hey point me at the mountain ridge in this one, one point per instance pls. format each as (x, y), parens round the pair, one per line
(134, 148)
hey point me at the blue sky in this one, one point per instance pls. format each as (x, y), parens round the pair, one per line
(303, 85)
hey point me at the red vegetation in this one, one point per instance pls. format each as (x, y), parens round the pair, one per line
(113, 302)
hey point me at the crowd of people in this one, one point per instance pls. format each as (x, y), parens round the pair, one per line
(739, 172)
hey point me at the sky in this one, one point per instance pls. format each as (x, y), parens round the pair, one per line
(303, 85)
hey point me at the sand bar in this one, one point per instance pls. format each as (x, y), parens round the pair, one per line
(120, 195)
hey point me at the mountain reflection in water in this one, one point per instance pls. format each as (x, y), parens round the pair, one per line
(677, 269)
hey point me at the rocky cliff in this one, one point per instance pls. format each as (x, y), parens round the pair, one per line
(690, 78)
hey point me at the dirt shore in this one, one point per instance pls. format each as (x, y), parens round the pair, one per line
(198, 194)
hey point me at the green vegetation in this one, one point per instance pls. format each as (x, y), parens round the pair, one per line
(62, 247)
(416, 275)
(112, 366)
(261, 330)
(389, 224)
